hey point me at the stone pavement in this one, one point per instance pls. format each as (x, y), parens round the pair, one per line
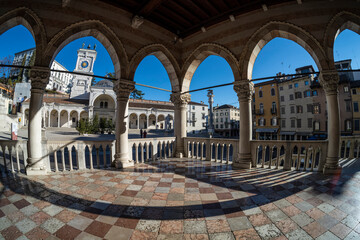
(181, 199)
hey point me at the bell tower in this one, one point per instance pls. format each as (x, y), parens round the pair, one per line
(85, 64)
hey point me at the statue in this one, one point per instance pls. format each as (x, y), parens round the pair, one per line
(89, 47)
(83, 45)
(94, 46)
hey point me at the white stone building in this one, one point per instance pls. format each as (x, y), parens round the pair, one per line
(196, 117)
(226, 120)
(59, 81)
(86, 101)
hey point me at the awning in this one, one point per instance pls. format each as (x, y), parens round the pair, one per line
(267, 130)
(286, 133)
(303, 133)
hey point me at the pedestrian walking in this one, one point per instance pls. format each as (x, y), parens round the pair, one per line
(145, 133)
(141, 133)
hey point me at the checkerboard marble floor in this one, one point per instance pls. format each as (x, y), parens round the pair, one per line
(181, 199)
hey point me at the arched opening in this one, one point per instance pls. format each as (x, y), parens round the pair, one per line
(133, 123)
(142, 121)
(160, 122)
(152, 121)
(104, 106)
(74, 118)
(64, 119)
(84, 115)
(54, 118)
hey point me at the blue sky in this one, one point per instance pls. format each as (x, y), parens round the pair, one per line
(279, 55)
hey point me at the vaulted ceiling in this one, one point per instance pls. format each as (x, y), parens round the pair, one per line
(185, 17)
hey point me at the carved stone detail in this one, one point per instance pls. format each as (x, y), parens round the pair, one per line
(329, 80)
(39, 77)
(136, 21)
(244, 90)
(123, 88)
(180, 99)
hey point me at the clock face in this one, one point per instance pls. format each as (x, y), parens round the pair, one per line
(84, 64)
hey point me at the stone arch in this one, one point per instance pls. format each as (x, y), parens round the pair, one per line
(143, 119)
(74, 118)
(54, 118)
(64, 118)
(133, 121)
(283, 30)
(340, 22)
(27, 18)
(165, 57)
(97, 30)
(199, 55)
(97, 96)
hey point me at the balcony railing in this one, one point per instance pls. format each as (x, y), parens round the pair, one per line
(81, 155)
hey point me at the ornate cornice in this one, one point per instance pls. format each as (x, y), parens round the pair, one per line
(123, 88)
(39, 77)
(329, 80)
(244, 90)
(180, 99)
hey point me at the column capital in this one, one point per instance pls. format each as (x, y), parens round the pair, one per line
(329, 80)
(39, 77)
(123, 88)
(244, 90)
(180, 99)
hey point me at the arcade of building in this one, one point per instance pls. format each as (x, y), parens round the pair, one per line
(238, 38)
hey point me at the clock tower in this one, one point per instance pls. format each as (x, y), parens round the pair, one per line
(85, 64)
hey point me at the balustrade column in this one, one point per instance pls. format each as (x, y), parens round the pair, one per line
(244, 90)
(329, 81)
(49, 123)
(39, 77)
(180, 102)
(122, 88)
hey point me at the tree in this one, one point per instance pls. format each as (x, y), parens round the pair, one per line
(95, 126)
(93, 81)
(5, 71)
(137, 94)
(110, 126)
(103, 125)
(81, 126)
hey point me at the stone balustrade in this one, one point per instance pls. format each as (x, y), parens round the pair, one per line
(149, 149)
(209, 149)
(61, 156)
(290, 155)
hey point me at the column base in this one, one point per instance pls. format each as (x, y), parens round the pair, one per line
(123, 163)
(35, 171)
(243, 161)
(332, 170)
(179, 155)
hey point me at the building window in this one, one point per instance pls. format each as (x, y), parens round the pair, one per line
(282, 110)
(203, 108)
(315, 93)
(307, 94)
(273, 107)
(260, 94)
(309, 108)
(348, 105)
(290, 86)
(356, 107)
(272, 91)
(203, 115)
(309, 122)
(101, 104)
(291, 97)
(105, 104)
(297, 95)
(262, 122)
(274, 121)
(296, 85)
(217, 126)
(346, 89)
(316, 108)
(221, 126)
(221, 119)
(283, 123)
(299, 109)
(357, 124)
(193, 107)
(306, 83)
(354, 91)
(292, 109)
(317, 126)
(281, 88)
(261, 107)
(348, 125)
(293, 123)
(282, 98)
(298, 123)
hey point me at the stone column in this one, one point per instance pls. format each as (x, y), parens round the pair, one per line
(35, 162)
(329, 80)
(180, 102)
(244, 90)
(122, 88)
(59, 117)
(49, 122)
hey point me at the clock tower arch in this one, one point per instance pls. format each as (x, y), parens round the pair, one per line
(85, 64)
